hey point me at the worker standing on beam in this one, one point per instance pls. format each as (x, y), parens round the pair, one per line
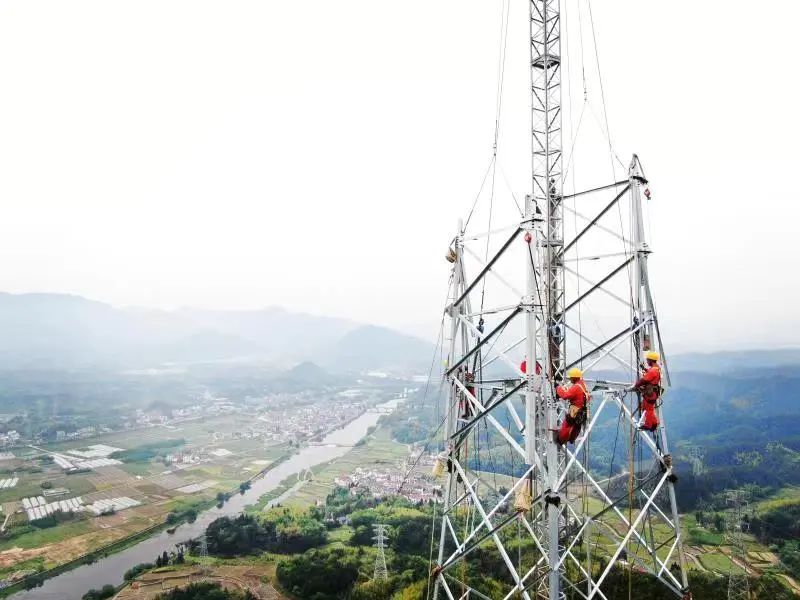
(649, 386)
(578, 396)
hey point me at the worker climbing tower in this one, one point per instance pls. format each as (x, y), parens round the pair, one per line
(549, 298)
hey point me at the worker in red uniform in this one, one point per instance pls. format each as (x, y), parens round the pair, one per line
(649, 386)
(578, 396)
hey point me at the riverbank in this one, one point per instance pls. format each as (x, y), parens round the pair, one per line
(119, 545)
(109, 569)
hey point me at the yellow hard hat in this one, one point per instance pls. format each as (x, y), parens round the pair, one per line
(652, 356)
(574, 373)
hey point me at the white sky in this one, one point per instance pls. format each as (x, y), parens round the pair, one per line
(316, 154)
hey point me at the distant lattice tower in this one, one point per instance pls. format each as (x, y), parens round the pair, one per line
(696, 456)
(738, 583)
(381, 573)
(203, 552)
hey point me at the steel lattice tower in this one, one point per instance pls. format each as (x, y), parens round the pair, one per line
(203, 554)
(570, 543)
(738, 583)
(381, 572)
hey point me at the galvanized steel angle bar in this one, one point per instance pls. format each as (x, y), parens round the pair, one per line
(613, 506)
(488, 266)
(483, 341)
(498, 542)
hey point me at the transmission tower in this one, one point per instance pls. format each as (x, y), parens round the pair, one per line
(738, 583)
(203, 551)
(381, 573)
(570, 543)
(696, 456)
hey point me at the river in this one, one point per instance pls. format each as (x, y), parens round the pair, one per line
(73, 584)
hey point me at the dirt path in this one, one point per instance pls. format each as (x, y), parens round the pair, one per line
(697, 562)
(792, 583)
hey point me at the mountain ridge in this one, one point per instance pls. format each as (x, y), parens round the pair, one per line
(42, 330)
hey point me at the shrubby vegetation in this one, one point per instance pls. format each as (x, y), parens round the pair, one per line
(205, 591)
(283, 531)
(105, 592)
(137, 570)
(780, 527)
(320, 574)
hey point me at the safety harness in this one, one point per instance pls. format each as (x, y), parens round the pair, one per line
(579, 415)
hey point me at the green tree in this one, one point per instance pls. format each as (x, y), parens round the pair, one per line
(326, 574)
(373, 590)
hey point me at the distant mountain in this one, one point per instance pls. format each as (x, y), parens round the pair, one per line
(736, 360)
(277, 332)
(377, 348)
(57, 331)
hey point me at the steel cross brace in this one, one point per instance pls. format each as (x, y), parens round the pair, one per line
(619, 513)
(500, 354)
(644, 510)
(487, 523)
(469, 588)
(484, 413)
(581, 442)
(491, 513)
(485, 339)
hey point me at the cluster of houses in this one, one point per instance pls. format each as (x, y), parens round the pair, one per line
(393, 481)
(306, 422)
(9, 439)
(79, 434)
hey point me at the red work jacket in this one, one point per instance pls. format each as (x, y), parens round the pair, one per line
(649, 383)
(576, 393)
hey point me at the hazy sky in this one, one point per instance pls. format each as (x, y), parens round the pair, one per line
(317, 155)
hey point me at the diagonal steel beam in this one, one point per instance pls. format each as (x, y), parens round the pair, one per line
(477, 333)
(598, 347)
(485, 339)
(487, 267)
(608, 293)
(624, 542)
(597, 189)
(494, 273)
(495, 423)
(599, 284)
(497, 506)
(486, 523)
(594, 221)
(487, 409)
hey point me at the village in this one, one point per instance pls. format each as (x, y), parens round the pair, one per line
(411, 479)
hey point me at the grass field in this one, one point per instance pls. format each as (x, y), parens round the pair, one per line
(152, 482)
(42, 537)
(716, 561)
